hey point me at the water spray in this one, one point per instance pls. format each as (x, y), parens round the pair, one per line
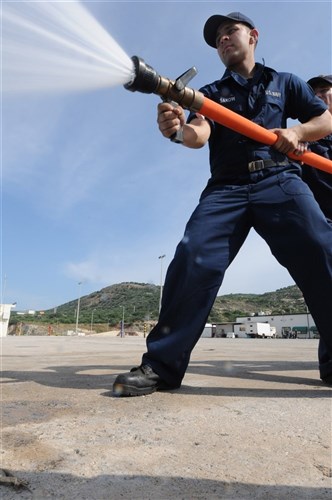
(147, 80)
(59, 46)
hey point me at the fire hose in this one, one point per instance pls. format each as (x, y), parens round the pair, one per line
(148, 81)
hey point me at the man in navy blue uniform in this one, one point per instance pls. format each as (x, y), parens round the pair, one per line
(252, 185)
(320, 184)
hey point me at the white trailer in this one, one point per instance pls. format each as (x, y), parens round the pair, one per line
(254, 330)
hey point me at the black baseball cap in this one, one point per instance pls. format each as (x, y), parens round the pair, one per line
(320, 80)
(213, 23)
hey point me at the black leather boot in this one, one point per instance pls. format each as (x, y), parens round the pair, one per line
(139, 381)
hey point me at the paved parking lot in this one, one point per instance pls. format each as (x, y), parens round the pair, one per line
(252, 420)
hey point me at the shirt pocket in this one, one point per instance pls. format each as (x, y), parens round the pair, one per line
(270, 112)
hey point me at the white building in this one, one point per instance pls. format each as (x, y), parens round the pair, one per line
(286, 325)
(241, 329)
(218, 329)
(299, 325)
(5, 310)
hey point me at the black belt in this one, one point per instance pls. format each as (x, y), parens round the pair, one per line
(253, 166)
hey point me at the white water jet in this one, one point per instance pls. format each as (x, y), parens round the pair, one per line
(58, 46)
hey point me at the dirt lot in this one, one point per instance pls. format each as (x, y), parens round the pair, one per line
(252, 420)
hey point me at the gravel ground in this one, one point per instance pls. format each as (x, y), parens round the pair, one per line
(251, 420)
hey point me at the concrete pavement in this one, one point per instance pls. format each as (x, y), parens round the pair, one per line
(252, 420)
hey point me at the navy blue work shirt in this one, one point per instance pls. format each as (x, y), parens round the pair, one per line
(268, 99)
(320, 182)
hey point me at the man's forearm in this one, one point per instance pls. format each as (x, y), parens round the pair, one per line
(316, 128)
(196, 133)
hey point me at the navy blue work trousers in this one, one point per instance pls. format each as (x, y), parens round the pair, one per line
(325, 360)
(282, 210)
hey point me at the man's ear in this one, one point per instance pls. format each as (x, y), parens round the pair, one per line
(254, 36)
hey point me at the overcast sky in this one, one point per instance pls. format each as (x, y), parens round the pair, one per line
(91, 192)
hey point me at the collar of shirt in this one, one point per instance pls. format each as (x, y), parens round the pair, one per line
(260, 69)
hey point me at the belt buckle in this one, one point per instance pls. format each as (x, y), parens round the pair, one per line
(253, 166)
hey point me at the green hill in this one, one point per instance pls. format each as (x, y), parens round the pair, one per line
(139, 302)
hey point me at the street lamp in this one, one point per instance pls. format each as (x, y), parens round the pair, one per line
(122, 333)
(3, 289)
(308, 324)
(93, 310)
(161, 257)
(78, 305)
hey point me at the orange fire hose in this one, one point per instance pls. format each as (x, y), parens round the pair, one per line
(148, 81)
(236, 122)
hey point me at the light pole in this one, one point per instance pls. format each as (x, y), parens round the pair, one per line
(122, 333)
(78, 305)
(161, 257)
(3, 289)
(93, 310)
(308, 324)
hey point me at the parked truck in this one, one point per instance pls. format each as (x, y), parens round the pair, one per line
(254, 330)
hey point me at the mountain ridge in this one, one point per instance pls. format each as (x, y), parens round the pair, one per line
(138, 302)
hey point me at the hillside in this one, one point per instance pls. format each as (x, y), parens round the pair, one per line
(139, 302)
(283, 301)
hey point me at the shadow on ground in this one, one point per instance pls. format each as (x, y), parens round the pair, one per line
(43, 485)
(82, 377)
